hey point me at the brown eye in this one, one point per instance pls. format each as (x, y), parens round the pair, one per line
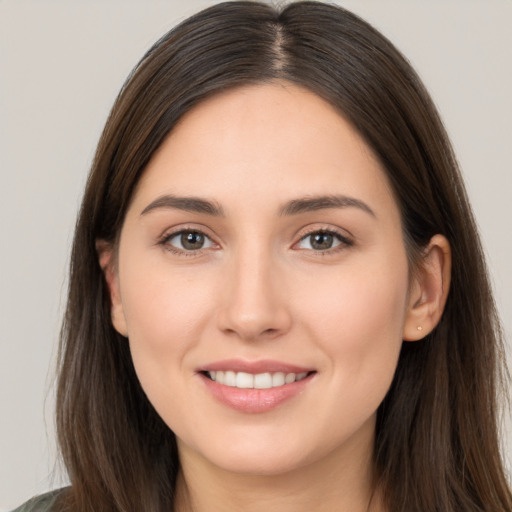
(192, 240)
(323, 241)
(189, 240)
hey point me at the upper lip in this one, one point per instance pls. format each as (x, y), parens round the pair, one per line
(254, 367)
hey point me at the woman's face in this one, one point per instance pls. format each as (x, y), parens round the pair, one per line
(262, 282)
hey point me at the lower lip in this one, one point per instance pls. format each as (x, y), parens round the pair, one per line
(255, 400)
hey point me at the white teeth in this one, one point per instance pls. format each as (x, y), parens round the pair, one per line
(263, 381)
(230, 378)
(290, 377)
(245, 380)
(278, 379)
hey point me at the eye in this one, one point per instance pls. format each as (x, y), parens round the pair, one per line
(323, 240)
(188, 240)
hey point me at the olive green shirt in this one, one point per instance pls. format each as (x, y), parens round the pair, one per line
(43, 503)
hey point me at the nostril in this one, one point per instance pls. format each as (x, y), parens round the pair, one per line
(252, 319)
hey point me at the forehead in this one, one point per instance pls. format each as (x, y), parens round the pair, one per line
(273, 140)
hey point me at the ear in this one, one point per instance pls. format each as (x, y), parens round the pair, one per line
(106, 258)
(428, 290)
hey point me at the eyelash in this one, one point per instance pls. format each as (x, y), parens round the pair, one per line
(164, 242)
(343, 240)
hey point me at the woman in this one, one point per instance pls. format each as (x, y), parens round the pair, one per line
(277, 293)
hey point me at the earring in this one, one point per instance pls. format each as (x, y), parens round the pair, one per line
(420, 328)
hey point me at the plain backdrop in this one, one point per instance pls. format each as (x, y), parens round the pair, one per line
(61, 66)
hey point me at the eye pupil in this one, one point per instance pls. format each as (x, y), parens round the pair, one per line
(192, 240)
(321, 241)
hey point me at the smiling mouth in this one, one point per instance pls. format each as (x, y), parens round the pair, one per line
(255, 386)
(244, 380)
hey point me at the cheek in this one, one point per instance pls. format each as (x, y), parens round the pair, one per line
(359, 323)
(165, 314)
(358, 326)
(159, 300)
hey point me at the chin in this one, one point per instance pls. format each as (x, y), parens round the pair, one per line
(260, 464)
(269, 455)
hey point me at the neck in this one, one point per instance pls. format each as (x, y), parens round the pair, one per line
(342, 483)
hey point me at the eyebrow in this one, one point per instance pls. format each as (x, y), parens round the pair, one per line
(293, 207)
(188, 204)
(310, 204)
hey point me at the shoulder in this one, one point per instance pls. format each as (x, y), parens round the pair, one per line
(43, 503)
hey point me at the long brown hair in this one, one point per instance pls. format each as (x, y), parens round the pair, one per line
(437, 445)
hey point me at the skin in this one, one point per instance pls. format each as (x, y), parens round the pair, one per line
(258, 289)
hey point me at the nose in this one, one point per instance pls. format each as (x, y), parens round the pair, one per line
(254, 304)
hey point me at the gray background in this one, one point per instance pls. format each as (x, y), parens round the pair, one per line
(61, 66)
